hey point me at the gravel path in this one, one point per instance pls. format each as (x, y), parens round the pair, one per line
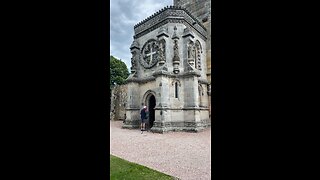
(180, 154)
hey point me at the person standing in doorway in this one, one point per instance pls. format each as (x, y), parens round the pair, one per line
(143, 115)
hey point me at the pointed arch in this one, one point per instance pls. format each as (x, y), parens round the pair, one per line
(176, 80)
(147, 95)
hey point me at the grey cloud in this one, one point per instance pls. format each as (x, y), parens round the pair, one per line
(124, 14)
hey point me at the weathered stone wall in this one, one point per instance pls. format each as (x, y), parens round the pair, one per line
(190, 110)
(169, 54)
(118, 102)
(201, 9)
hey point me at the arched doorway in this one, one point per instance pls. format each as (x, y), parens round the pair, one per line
(151, 106)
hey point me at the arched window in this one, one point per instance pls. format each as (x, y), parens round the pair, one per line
(176, 84)
(176, 90)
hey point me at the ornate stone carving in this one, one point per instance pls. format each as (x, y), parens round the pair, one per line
(162, 52)
(134, 45)
(198, 55)
(189, 68)
(163, 32)
(209, 89)
(176, 58)
(135, 55)
(149, 54)
(174, 36)
(187, 32)
(170, 14)
(191, 53)
(200, 89)
(134, 59)
(162, 70)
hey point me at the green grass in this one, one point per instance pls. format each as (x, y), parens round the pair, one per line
(121, 169)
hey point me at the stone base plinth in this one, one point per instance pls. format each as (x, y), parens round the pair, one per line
(163, 127)
(133, 124)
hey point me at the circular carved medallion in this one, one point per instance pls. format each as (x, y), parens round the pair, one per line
(149, 54)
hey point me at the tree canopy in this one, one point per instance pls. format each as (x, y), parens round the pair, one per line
(118, 71)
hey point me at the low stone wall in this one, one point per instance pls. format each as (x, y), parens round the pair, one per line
(118, 103)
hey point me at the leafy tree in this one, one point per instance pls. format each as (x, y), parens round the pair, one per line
(118, 72)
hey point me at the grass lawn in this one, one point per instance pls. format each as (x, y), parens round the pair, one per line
(122, 169)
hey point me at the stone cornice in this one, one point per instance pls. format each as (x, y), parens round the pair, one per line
(141, 80)
(192, 73)
(182, 75)
(169, 14)
(167, 74)
(161, 72)
(203, 81)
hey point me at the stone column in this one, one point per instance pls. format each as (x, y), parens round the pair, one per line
(176, 58)
(191, 91)
(161, 106)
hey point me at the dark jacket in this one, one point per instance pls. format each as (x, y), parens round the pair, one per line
(143, 113)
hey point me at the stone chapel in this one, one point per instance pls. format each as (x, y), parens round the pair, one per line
(169, 72)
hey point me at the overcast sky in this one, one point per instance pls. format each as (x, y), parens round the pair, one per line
(124, 14)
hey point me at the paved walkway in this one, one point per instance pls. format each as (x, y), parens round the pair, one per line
(180, 154)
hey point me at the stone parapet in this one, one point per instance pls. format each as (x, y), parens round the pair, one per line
(169, 14)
